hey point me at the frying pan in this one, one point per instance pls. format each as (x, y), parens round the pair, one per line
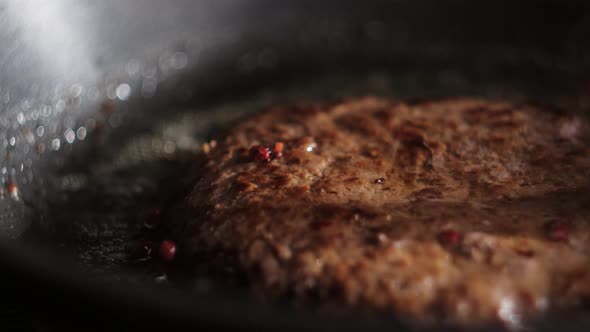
(103, 104)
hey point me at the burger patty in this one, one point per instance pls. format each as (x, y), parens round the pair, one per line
(464, 209)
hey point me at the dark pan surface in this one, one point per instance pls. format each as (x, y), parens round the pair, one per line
(83, 201)
(100, 193)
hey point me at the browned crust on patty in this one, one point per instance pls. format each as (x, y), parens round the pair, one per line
(436, 210)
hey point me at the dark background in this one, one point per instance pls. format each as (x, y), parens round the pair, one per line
(63, 42)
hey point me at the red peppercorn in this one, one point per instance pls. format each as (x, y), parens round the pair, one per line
(278, 149)
(559, 231)
(152, 217)
(167, 250)
(260, 153)
(450, 237)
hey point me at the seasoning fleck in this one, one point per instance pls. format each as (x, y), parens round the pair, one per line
(278, 149)
(450, 237)
(559, 231)
(260, 153)
(205, 148)
(167, 250)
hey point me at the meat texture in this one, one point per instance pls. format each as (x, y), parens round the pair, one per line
(465, 210)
